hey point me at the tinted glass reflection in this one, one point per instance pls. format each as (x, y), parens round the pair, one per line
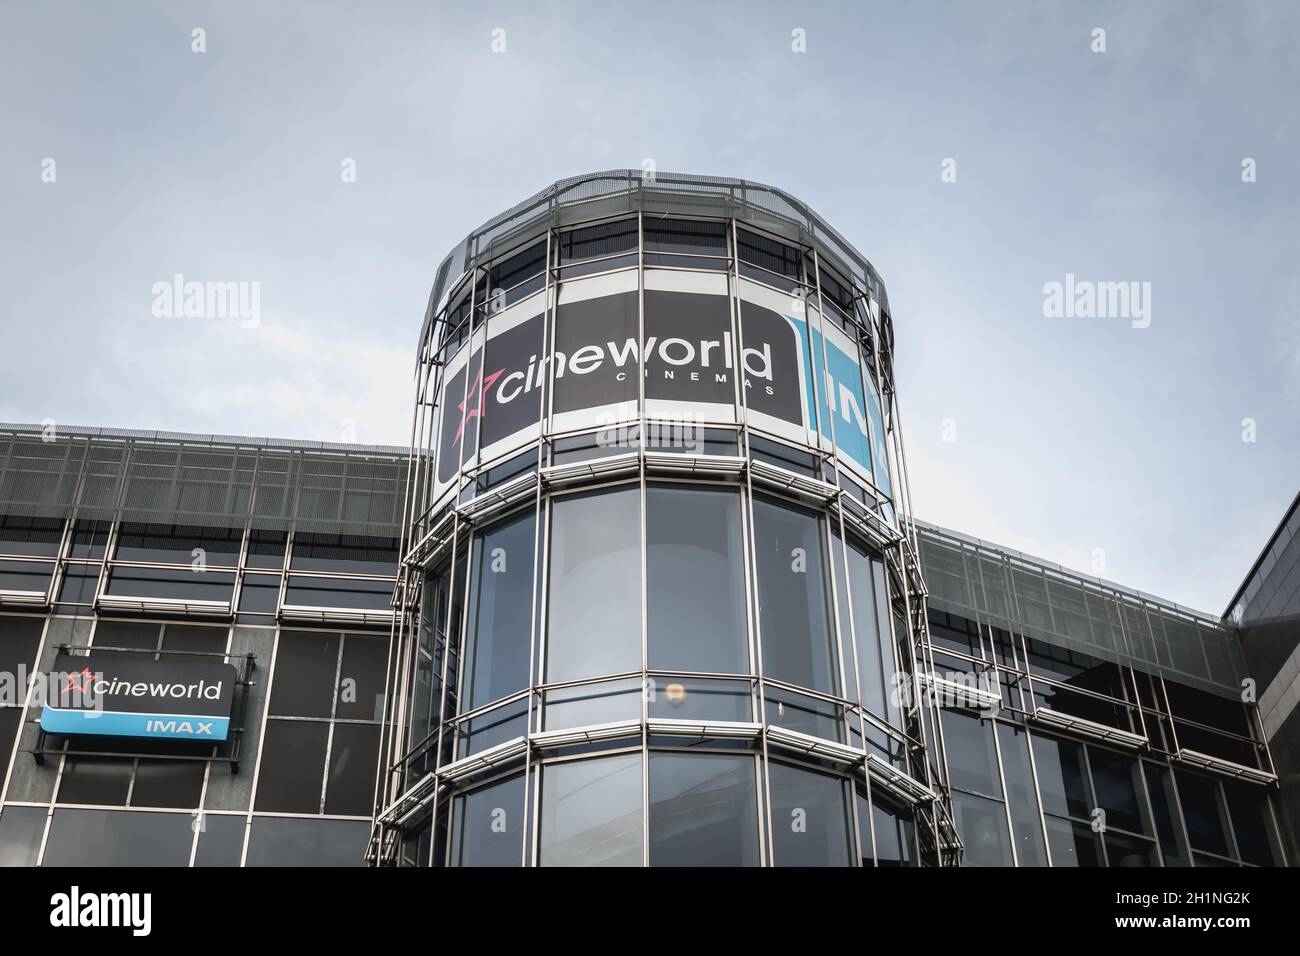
(488, 825)
(694, 576)
(500, 613)
(703, 810)
(591, 812)
(594, 608)
(811, 819)
(792, 597)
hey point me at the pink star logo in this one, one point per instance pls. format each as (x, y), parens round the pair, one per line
(467, 411)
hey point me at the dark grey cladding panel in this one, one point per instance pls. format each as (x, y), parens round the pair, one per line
(193, 480)
(1004, 588)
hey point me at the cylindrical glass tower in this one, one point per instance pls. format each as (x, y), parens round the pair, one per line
(660, 602)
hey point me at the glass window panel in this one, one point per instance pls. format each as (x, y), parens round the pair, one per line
(1062, 780)
(703, 810)
(686, 236)
(811, 818)
(89, 538)
(19, 639)
(500, 613)
(354, 757)
(177, 544)
(488, 825)
(1251, 822)
(79, 584)
(982, 825)
(21, 829)
(585, 704)
(594, 607)
(221, 840)
(493, 727)
(179, 584)
(10, 719)
(281, 841)
(591, 812)
(186, 640)
(1160, 785)
(168, 783)
(891, 842)
(95, 780)
(344, 554)
(798, 646)
(1123, 850)
(1118, 789)
(694, 574)
(260, 594)
(968, 745)
(292, 769)
(871, 650)
(361, 679)
(118, 838)
(602, 239)
(1202, 812)
(266, 550)
(1072, 844)
(33, 576)
(306, 667)
(37, 537)
(1019, 776)
(695, 698)
(351, 593)
(804, 714)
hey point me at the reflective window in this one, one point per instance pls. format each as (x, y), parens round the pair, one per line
(177, 544)
(695, 580)
(118, 838)
(1160, 785)
(703, 810)
(288, 842)
(811, 818)
(291, 775)
(696, 698)
(1123, 849)
(487, 826)
(1118, 790)
(968, 745)
(180, 584)
(30, 536)
(594, 605)
(353, 760)
(892, 839)
(1251, 822)
(306, 665)
(500, 613)
(1072, 844)
(603, 239)
(798, 646)
(591, 812)
(221, 840)
(21, 829)
(1203, 812)
(349, 593)
(982, 824)
(1026, 830)
(344, 554)
(1062, 780)
(871, 650)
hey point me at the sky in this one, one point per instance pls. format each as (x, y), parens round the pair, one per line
(329, 155)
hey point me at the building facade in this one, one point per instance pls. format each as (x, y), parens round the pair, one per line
(646, 589)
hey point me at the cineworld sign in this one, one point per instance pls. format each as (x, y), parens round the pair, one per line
(121, 695)
(802, 377)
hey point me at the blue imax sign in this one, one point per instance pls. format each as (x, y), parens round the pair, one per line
(119, 696)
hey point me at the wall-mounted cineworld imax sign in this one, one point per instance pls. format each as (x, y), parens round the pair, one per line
(123, 695)
(802, 378)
